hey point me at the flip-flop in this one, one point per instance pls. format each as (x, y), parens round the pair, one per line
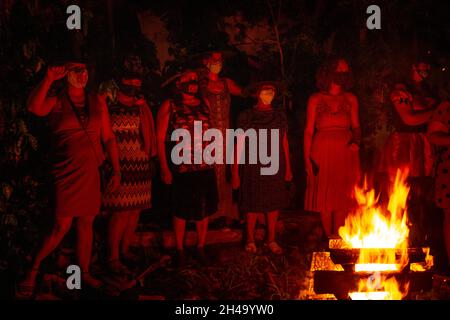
(116, 267)
(250, 247)
(92, 282)
(274, 247)
(26, 290)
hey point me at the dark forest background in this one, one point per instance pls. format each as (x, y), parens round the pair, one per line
(273, 39)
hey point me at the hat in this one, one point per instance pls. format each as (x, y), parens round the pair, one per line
(174, 77)
(205, 51)
(253, 88)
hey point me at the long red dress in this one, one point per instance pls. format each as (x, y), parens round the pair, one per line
(338, 166)
(76, 156)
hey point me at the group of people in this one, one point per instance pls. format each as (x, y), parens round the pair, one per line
(87, 129)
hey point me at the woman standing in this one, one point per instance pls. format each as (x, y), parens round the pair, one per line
(132, 123)
(79, 123)
(194, 186)
(331, 143)
(217, 92)
(263, 193)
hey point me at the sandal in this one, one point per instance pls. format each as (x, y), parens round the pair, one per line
(116, 267)
(250, 247)
(91, 282)
(274, 247)
(25, 289)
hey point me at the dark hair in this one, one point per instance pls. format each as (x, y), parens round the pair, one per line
(326, 74)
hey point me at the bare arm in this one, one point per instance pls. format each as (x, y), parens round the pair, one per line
(288, 175)
(38, 102)
(151, 128)
(108, 137)
(154, 150)
(238, 149)
(162, 124)
(309, 128)
(356, 129)
(402, 101)
(234, 88)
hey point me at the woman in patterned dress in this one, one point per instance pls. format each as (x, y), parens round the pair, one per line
(217, 92)
(194, 186)
(439, 135)
(133, 126)
(331, 144)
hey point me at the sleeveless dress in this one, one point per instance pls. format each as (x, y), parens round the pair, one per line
(220, 104)
(331, 189)
(263, 193)
(76, 155)
(194, 187)
(134, 192)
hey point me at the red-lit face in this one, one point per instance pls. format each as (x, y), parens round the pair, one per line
(421, 70)
(266, 94)
(342, 66)
(215, 62)
(77, 75)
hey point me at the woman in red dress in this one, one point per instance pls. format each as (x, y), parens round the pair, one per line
(79, 124)
(331, 144)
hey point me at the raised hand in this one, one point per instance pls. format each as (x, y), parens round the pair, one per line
(166, 176)
(56, 72)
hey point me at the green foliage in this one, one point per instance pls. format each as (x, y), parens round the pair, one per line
(22, 203)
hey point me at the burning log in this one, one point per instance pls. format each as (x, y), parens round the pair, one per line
(372, 259)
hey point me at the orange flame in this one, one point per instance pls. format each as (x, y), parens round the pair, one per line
(382, 237)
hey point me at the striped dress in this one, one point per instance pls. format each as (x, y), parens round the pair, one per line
(134, 192)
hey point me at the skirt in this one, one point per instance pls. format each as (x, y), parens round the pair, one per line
(407, 150)
(331, 189)
(194, 195)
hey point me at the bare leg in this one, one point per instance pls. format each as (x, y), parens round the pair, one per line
(447, 233)
(116, 229)
(179, 226)
(272, 218)
(202, 231)
(84, 249)
(60, 228)
(251, 224)
(85, 239)
(133, 219)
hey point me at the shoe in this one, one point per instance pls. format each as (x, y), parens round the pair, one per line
(250, 247)
(25, 289)
(274, 248)
(90, 281)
